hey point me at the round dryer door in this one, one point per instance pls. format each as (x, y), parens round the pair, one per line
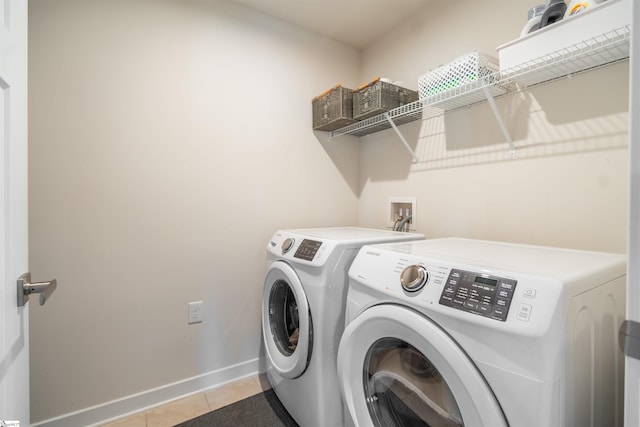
(398, 368)
(286, 321)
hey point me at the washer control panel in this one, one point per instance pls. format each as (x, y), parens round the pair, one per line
(478, 293)
(307, 249)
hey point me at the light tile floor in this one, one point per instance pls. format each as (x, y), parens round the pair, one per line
(180, 410)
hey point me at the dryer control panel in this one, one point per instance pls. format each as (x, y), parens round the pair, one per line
(478, 293)
(308, 249)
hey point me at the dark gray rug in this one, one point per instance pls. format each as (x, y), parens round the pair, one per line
(261, 410)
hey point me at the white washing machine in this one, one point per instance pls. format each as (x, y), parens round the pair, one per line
(303, 315)
(452, 332)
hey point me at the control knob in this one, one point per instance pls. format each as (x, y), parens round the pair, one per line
(414, 277)
(287, 245)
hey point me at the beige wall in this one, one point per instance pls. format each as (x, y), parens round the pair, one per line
(566, 186)
(168, 141)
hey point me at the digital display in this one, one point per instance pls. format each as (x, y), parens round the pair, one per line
(488, 296)
(486, 281)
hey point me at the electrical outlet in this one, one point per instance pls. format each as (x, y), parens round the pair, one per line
(195, 312)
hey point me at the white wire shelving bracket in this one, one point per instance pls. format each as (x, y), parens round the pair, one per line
(503, 126)
(605, 49)
(402, 138)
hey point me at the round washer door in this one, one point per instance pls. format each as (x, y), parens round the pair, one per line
(398, 368)
(286, 321)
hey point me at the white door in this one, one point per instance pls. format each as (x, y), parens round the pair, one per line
(632, 361)
(286, 322)
(14, 320)
(396, 367)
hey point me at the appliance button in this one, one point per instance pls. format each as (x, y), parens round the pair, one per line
(499, 312)
(470, 305)
(506, 285)
(458, 301)
(524, 312)
(529, 293)
(461, 297)
(501, 302)
(503, 293)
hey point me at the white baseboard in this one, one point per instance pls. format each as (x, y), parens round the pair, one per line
(129, 405)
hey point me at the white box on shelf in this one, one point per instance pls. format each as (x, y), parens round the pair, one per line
(583, 28)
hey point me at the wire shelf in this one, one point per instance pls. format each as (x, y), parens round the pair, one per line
(470, 93)
(604, 49)
(607, 48)
(401, 115)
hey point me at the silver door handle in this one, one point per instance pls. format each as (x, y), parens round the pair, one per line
(26, 288)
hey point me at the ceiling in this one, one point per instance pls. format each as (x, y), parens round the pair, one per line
(356, 23)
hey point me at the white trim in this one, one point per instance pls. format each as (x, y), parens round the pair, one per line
(135, 403)
(632, 366)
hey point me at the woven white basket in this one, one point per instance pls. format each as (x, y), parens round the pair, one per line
(474, 67)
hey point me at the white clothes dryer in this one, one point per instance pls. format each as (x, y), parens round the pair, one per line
(452, 332)
(303, 315)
